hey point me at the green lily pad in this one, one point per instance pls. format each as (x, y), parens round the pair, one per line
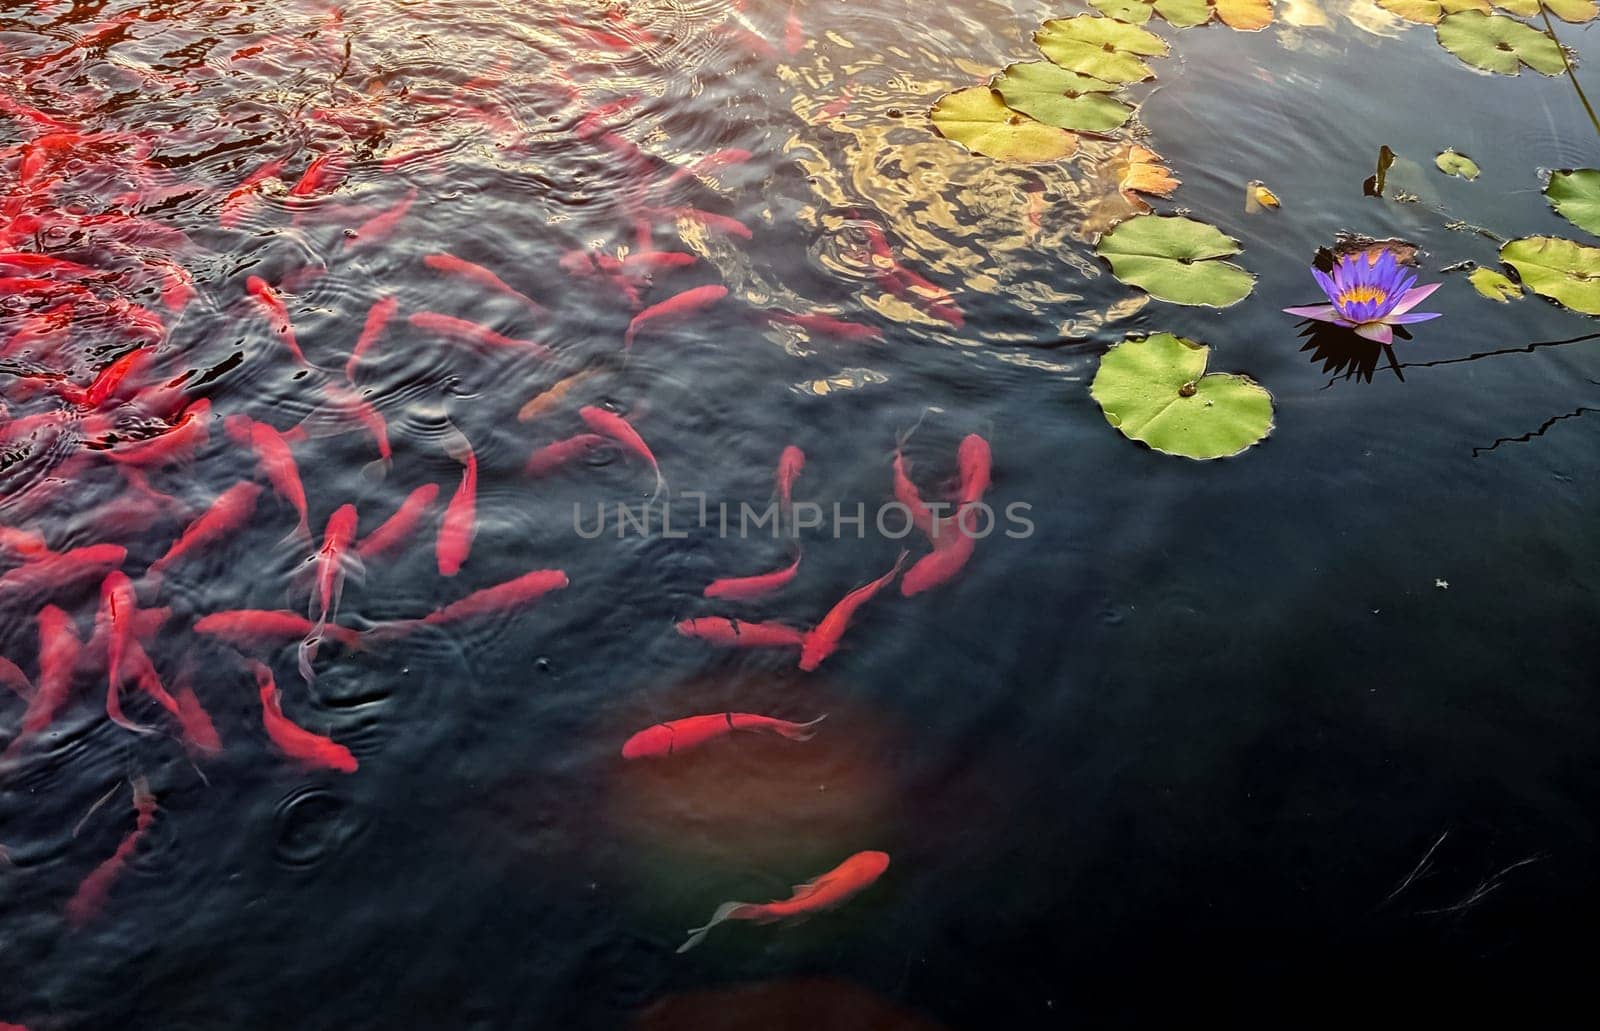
(1061, 98)
(1521, 8)
(1101, 47)
(1576, 195)
(1173, 258)
(1575, 11)
(1497, 286)
(977, 119)
(1499, 44)
(1566, 272)
(1458, 165)
(1428, 12)
(1244, 15)
(1182, 14)
(1156, 390)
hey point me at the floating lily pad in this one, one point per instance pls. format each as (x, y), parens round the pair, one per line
(1181, 14)
(1057, 97)
(1100, 47)
(1576, 11)
(977, 119)
(1458, 165)
(1244, 15)
(1156, 390)
(1497, 286)
(1565, 272)
(1428, 12)
(1576, 195)
(1499, 44)
(1174, 259)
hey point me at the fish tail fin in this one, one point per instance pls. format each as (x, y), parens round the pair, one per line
(383, 633)
(802, 731)
(905, 437)
(661, 486)
(726, 911)
(299, 537)
(376, 470)
(307, 654)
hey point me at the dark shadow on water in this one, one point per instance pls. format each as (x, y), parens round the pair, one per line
(1346, 354)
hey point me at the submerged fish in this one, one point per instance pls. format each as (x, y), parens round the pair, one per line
(823, 639)
(681, 735)
(832, 888)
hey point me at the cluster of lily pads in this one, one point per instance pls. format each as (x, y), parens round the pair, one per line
(1153, 389)
(1494, 42)
(1564, 271)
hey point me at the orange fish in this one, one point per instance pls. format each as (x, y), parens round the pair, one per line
(975, 464)
(473, 333)
(746, 587)
(178, 443)
(452, 265)
(460, 515)
(378, 317)
(832, 888)
(952, 547)
(228, 514)
(276, 461)
(381, 226)
(675, 309)
(907, 494)
(59, 648)
(331, 564)
(739, 633)
(241, 201)
(277, 314)
(551, 457)
(245, 628)
(676, 736)
(610, 424)
(60, 570)
(293, 740)
(527, 588)
(398, 528)
(322, 175)
(826, 325)
(823, 639)
(92, 892)
(790, 463)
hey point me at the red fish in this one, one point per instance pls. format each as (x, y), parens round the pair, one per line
(378, 317)
(239, 202)
(23, 543)
(460, 516)
(527, 588)
(975, 463)
(293, 740)
(227, 515)
(118, 605)
(794, 33)
(199, 733)
(322, 175)
(676, 736)
(738, 633)
(847, 879)
(331, 564)
(276, 461)
(675, 309)
(551, 457)
(952, 547)
(110, 379)
(473, 333)
(650, 262)
(381, 226)
(399, 528)
(93, 890)
(177, 284)
(789, 465)
(277, 314)
(823, 639)
(908, 285)
(12, 677)
(452, 265)
(177, 444)
(59, 570)
(250, 627)
(58, 660)
(610, 424)
(827, 325)
(714, 222)
(907, 494)
(28, 264)
(746, 587)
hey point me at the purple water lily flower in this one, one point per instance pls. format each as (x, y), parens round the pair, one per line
(1371, 292)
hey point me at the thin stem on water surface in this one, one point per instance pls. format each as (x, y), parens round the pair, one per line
(1550, 30)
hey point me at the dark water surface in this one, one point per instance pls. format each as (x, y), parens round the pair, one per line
(1175, 753)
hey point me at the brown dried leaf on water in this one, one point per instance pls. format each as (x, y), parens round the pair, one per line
(1345, 244)
(1258, 197)
(1144, 173)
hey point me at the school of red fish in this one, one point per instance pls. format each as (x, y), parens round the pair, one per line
(91, 282)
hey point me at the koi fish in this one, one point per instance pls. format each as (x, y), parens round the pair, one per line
(11, 676)
(459, 525)
(610, 424)
(676, 736)
(293, 740)
(847, 879)
(951, 550)
(713, 222)
(27, 264)
(276, 461)
(60, 570)
(246, 628)
(237, 204)
(746, 587)
(826, 325)
(452, 265)
(199, 733)
(548, 398)
(176, 444)
(398, 528)
(675, 309)
(58, 660)
(277, 314)
(23, 543)
(118, 604)
(322, 175)
(333, 561)
(551, 457)
(473, 333)
(789, 465)
(907, 494)
(823, 639)
(228, 513)
(378, 317)
(93, 890)
(527, 588)
(738, 633)
(381, 226)
(110, 379)
(647, 263)
(974, 463)
(908, 285)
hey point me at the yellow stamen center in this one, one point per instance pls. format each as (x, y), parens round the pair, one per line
(1357, 294)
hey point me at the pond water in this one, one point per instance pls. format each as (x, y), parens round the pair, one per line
(1284, 733)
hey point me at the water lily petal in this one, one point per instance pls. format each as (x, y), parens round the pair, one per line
(1416, 316)
(1320, 312)
(1329, 287)
(1414, 297)
(1376, 331)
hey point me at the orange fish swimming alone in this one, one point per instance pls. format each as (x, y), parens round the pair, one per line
(739, 633)
(743, 588)
(93, 890)
(676, 736)
(293, 740)
(847, 879)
